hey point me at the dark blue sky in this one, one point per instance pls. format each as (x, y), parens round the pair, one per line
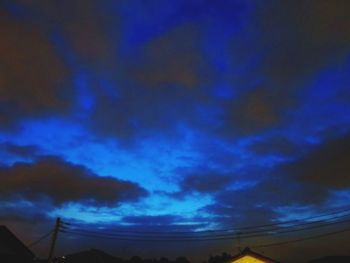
(173, 115)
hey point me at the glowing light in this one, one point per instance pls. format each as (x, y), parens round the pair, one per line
(249, 259)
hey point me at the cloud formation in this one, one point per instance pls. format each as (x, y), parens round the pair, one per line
(301, 39)
(62, 182)
(327, 165)
(170, 59)
(85, 25)
(32, 76)
(19, 150)
(230, 113)
(205, 182)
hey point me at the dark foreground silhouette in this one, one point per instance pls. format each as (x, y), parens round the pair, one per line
(95, 255)
(98, 256)
(12, 250)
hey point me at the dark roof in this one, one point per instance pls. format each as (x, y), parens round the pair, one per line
(248, 252)
(11, 246)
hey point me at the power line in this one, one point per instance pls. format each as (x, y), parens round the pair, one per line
(306, 228)
(229, 229)
(245, 233)
(222, 236)
(302, 239)
(40, 239)
(193, 238)
(291, 228)
(299, 220)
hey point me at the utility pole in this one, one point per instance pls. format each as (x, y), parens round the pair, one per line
(54, 237)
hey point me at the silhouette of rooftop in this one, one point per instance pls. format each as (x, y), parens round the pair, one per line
(12, 249)
(248, 253)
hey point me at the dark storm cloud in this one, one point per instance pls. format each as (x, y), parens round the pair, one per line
(308, 180)
(170, 59)
(254, 111)
(286, 45)
(88, 26)
(156, 89)
(136, 113)
(43, 46)
(164, 72)
(283, 190)
(32, 75)
(327, 165)
(24, 213)
(256, 204)
(214, 155)
(63, 182)
(275, 145)
(19, 150)
(164, 79)
(242, 208)
(205, 182)
(301, 37)
(244, 198)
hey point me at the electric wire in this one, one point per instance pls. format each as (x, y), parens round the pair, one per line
(243, 235)
(284, 229)
(198, 238)
(228, 229)
(40, 239)
(302, 239)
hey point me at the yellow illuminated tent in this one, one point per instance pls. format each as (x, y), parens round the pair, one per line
(248, 256)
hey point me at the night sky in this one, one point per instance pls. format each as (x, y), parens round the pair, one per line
(170, 116)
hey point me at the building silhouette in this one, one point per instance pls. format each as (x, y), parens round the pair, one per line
(249, 256)
(12, 250)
